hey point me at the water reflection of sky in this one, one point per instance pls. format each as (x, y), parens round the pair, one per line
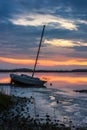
(65, 81)
(68, 106)
(58, 99)
(70, 78)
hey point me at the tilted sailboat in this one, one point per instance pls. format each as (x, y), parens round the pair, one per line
(29, 80)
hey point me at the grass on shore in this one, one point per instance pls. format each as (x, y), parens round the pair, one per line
(5, 101)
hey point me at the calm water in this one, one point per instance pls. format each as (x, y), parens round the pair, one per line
(60, 86)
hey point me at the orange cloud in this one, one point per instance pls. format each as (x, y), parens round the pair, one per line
(17, 61)
(79, 61)
(63, 63)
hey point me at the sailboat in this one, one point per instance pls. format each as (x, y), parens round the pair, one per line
(23, 79)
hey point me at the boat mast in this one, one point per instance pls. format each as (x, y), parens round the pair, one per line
(38, 50)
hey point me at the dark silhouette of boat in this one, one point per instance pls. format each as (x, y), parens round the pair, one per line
(29, 80)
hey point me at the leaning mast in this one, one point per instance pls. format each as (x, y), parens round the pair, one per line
(38, 50)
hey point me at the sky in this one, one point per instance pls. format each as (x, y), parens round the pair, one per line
(64, 44)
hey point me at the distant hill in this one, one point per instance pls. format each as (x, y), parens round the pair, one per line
(30, 70)
(16, 70)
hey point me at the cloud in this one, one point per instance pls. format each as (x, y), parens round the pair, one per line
(65, 35)
(65, 43)
(38, 20)
(82, 21)
(81, 48)
(69, 62)
(60, 42)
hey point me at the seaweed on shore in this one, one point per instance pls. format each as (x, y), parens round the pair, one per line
(81, 91)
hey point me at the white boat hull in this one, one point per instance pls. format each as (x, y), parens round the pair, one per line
(26, 80)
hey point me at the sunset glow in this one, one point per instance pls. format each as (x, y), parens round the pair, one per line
(5, 80)
(59, 78)
(17, 61)
(64, 43)
(79, 61)
(43, 64)
(72, 80)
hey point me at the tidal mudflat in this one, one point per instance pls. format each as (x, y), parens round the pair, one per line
(57, 104)
(18, 117)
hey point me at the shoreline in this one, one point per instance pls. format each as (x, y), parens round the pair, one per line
(26, 70)
(80, 91)
(13, 117)
(5, 84)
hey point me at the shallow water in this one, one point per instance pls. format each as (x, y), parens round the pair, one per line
(58, 99)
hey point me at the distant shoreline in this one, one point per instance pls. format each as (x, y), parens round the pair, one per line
(41, 71)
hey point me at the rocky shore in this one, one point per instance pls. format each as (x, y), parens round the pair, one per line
(14, 118)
